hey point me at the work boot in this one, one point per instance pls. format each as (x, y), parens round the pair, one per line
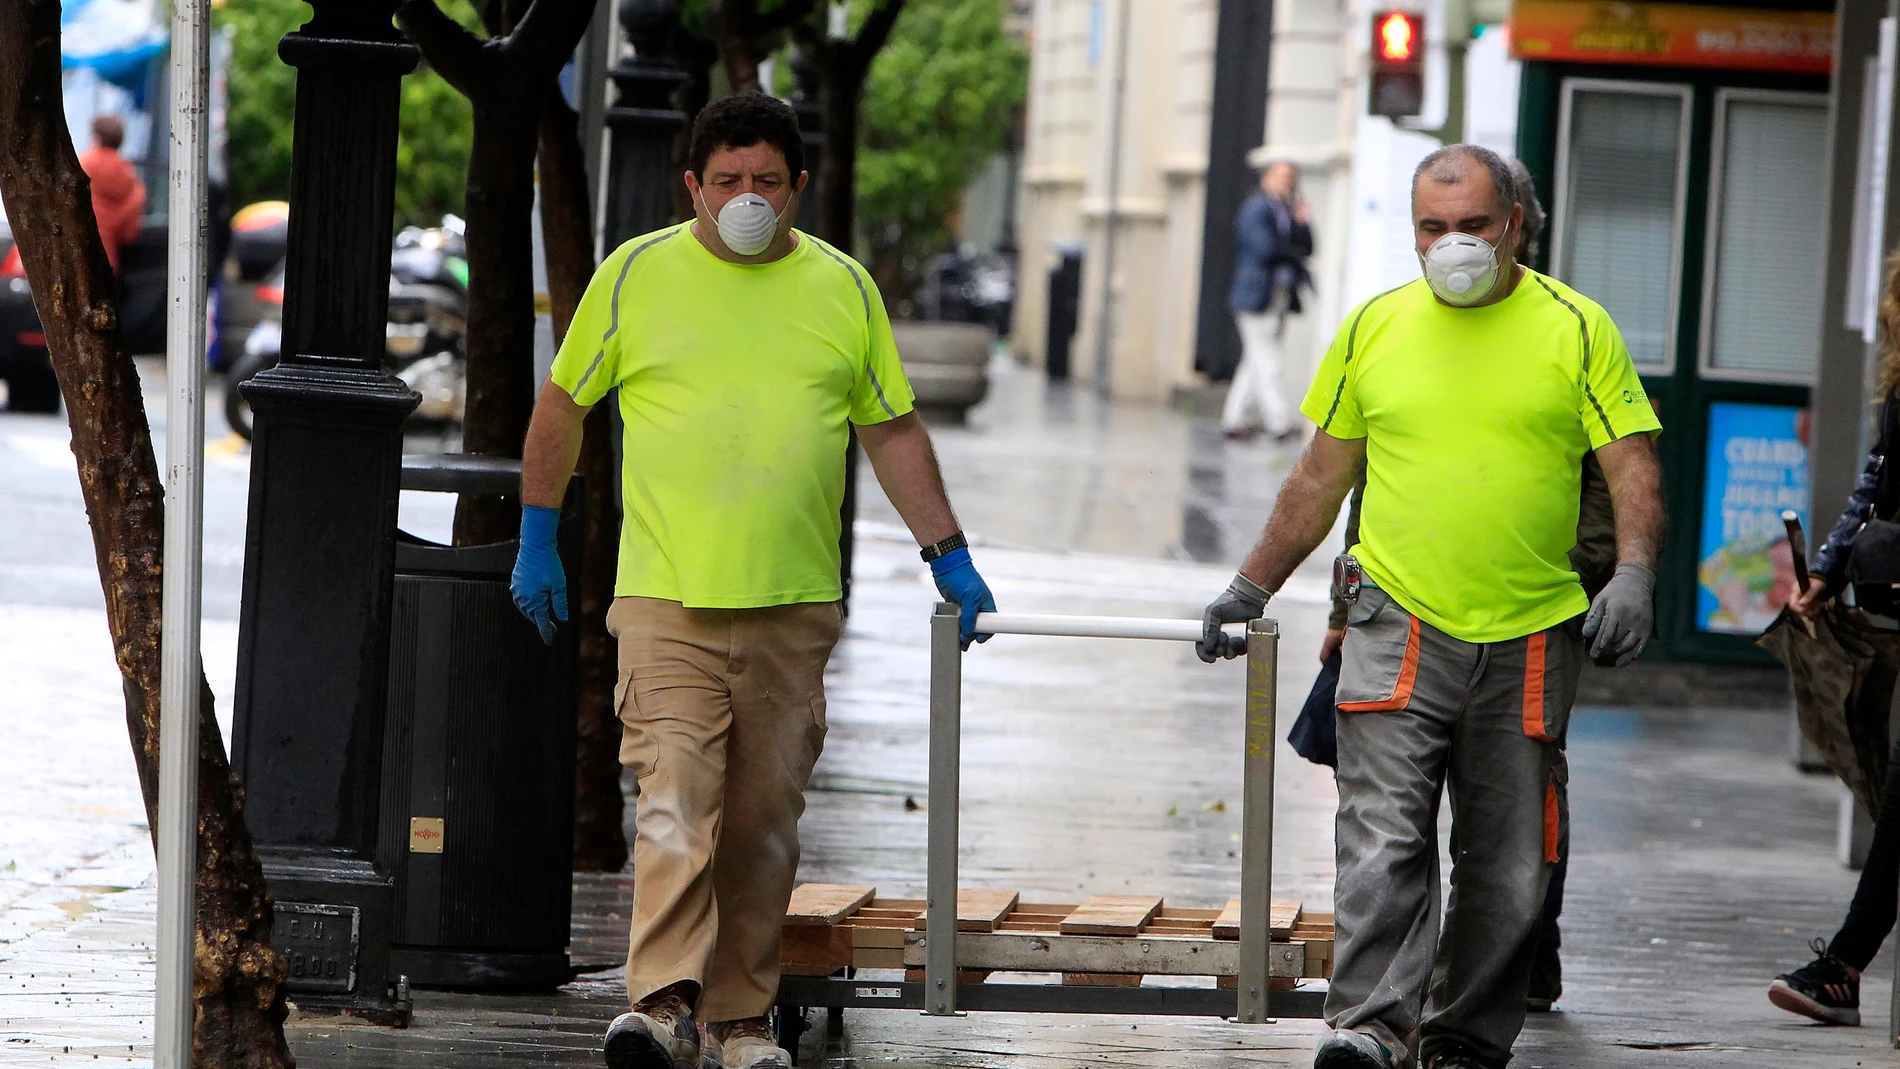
(1348, 1049)
(1547, 981)
(1823, 989)
(659, 1034)
(747, 1044)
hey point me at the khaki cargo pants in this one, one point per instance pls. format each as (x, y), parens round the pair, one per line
(1419, 709)
(723, 717)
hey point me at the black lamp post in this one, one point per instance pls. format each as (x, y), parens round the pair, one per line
(643, 125)
(313, 637)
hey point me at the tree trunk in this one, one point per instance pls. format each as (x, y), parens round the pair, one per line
(567, 241)
(238, 982)
(500, 295)
(504, 79)
(838, 166)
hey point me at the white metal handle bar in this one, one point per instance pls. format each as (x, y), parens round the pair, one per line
(1022, 623)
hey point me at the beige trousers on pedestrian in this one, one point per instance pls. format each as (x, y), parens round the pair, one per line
(723, 716)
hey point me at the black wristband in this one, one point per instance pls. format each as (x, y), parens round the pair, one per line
(948, 545)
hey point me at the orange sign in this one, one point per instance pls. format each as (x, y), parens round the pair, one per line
(1673, 35)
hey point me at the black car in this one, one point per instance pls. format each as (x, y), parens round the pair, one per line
(23, 363)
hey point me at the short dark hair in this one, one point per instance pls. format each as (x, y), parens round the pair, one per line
(1442, 167)
(108, 131)
(741, 121)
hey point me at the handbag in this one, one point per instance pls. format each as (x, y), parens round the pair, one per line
(1873, 568)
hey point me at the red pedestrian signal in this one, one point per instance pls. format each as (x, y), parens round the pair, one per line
(1397, 87)
(1397, 32)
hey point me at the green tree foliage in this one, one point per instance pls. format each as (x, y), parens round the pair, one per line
(432, 154)
(938, 105)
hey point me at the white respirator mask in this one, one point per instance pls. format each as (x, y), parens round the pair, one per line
(747, 223)
(1461, 269)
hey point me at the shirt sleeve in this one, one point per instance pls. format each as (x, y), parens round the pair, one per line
(588, 364)
(1332, 402)
(1614, 402)
(882, 391)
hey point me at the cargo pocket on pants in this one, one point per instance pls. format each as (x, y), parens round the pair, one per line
(1379, 664)
(638, 749)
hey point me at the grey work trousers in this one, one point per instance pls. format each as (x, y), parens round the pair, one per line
(1417, 709)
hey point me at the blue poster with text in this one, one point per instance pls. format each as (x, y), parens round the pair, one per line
(1757, 467)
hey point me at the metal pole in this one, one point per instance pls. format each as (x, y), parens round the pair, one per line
(946, 741)
(1148, 627)
(1256, 821)
(179, 671)
(1112, 220)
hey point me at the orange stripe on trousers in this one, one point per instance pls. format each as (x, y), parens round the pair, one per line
(1534, 687)
(1551, 823)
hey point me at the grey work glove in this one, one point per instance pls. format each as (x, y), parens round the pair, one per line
(1622, 616)
(1242, 600)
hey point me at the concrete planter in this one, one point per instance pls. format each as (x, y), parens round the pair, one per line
(948, 365)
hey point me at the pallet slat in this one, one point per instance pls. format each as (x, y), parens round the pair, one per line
(825, 903)
(1281, 917)
(978, 910)
(1164, 956)
(1111, 915)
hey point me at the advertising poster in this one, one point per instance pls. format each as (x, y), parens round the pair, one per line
(1757, 466)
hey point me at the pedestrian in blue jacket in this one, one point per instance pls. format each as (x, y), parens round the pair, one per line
(1273, 241)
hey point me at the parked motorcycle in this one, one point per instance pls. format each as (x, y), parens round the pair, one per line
(425, 336)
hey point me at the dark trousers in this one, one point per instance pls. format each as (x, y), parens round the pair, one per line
(1871, 915)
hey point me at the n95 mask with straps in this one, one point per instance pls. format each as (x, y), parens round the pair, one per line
(1461, 269)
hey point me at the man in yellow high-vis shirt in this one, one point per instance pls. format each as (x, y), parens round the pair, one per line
(1470, 397)
(740, 348)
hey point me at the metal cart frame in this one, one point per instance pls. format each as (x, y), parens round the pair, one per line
(939, 995)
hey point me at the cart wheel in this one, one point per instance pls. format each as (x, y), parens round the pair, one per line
(790, 1026)
(834, 1022)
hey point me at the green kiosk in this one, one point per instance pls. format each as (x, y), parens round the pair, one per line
(1682, 150)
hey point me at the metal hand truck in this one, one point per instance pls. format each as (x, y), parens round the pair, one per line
(939, 994)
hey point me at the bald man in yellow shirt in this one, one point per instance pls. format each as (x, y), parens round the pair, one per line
(1470, 397)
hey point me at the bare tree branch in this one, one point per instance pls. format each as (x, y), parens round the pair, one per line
(454, 53)
(874, 33)
(546, 36)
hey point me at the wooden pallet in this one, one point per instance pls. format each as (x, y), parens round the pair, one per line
(1109, 940)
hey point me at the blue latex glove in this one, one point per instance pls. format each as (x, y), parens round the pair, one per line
(539, 584)
(957, 581)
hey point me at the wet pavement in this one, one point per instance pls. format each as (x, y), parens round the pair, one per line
(1703, 860)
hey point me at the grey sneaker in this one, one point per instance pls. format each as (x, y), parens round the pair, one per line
(1347, 1049)
(658, 1034)
(747, 1044)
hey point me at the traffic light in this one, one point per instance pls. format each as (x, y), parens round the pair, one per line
(1398, 64)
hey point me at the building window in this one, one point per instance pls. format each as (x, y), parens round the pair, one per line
(1762, 291)
(1622, 178)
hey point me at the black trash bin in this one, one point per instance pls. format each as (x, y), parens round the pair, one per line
(478, 758)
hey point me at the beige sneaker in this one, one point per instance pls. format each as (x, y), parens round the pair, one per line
(659, 1034)
(747, 1044)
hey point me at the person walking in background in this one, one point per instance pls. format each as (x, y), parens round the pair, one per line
(118, 194)
(1474, 393)
(1593, 558)
(1273, 240)
(740, 349)
(1827, 989)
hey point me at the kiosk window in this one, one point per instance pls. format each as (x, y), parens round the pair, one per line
(1621, 177)
(1762, 305)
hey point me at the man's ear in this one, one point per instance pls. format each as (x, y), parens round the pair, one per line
(692, 184)
(804, 179)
